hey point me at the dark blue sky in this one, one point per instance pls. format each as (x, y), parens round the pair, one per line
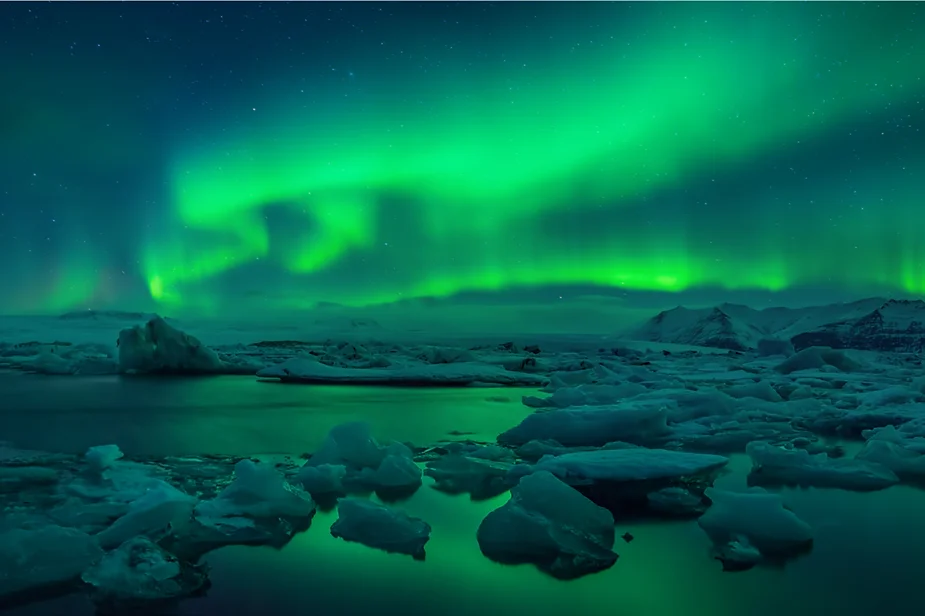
(193, 156)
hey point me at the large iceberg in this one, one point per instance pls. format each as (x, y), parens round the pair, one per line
(158, 347)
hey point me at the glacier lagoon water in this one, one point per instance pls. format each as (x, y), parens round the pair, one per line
(869, 552)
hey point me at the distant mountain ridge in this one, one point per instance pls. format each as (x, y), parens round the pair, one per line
(710, 327)
(869, 324)
(896, 325)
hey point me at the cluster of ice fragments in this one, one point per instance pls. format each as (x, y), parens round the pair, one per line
(134, 532)
(126, 530)
(614, 434)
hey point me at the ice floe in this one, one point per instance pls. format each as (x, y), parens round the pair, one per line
(776, 466)
(377, 526)
(351, 461)
(548, 523)
(750, 526)
(301, 370)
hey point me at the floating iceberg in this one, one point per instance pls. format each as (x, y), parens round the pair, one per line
(739, 523)
(302, 370)
(157, 348)
(258, 508)
(162, 509)
(376, 526)
(628, 464)
(350, 460)
(258, 491)
(776, 466)
(902, 454)
(641, 423)
(459, 474)
(551, 525)
(140, 572)
(623, 479)
(33, 559)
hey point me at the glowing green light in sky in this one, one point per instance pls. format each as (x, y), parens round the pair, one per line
(483, 165)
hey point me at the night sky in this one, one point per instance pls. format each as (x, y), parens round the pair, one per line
(208, 156)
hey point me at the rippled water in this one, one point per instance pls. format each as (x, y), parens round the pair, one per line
(869, 555)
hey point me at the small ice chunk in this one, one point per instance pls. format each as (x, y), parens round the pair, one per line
(814, 358)
(896, 395)
(353, 461)
(89, 517)
(491, 452)
(258, 491)
(737, 555)
(675, 501)
(323, 480)
(397, 473)
(757, 516)
(777, 466)
(376, 526)
(632, 422)
(458, 474)
(761, 390)
(32, 559)
(629, 464)
(551, 525)
(350, 444)
(901, 454)
(536, 449)
(101, 457)
(162, 509)
(587, 394)
(140, 570)
(304, 370)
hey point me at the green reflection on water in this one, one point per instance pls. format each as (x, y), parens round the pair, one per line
(869, 546)
(869, 554)
(237, 415)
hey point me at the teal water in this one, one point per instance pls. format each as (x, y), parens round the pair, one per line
(869, 555)
(236, 415)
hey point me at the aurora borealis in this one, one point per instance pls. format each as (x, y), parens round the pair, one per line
(190, 157)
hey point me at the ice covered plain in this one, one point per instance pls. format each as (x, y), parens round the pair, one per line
(623, 429)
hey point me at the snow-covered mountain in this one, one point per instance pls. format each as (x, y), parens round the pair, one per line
(874, 323)
(709, 327)
(895, 325)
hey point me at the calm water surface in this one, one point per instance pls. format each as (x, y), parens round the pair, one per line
(234, 414)
(869, 555)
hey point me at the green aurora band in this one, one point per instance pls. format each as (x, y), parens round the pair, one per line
(509, 171)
